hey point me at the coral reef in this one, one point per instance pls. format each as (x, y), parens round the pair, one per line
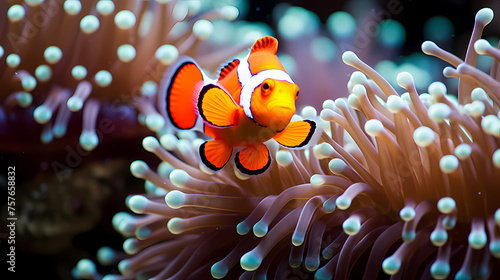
(404, 185)
(95, 62)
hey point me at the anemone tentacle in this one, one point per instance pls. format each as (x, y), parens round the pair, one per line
(403, 185)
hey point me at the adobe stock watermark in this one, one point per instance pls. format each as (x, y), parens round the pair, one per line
(105, 126)
(75, 155)
(34, 24)
(370, 29)
(11, 218)
(123, 107)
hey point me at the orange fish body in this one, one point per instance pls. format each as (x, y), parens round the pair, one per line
(252, 102)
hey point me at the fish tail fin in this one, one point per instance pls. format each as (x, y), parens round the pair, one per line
(180, 93)
(253, 160)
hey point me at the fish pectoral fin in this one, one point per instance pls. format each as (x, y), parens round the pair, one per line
(297, 134)
(253, 160)
(215, 154)
(216, 106)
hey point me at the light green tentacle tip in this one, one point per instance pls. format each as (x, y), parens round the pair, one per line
(15, 13)
(25, 99)
(391, 265)
(52, 54)
(440, 269)
(105, 7)
(89, 24)
(446, 205)
(89, 140)
(250, 261)
(125, 19)
(86, 268)
(448, 164)
(43, 73)
(175, 199)
(72, 7)
(219, 270)
(496, 159)
(103, 78)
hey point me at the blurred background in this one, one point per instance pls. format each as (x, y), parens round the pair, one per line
(63, 221)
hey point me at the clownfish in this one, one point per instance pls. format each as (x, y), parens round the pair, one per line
(252, 101)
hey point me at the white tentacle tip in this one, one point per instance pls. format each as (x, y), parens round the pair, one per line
(481, 46)
(428, 47)
(349, 58)
(484, 16)
(404, 79)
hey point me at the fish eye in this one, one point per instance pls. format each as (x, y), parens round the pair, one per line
(297, 94)
(267, 86)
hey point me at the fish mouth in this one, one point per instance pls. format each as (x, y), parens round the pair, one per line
(280, 105)
(281, 113)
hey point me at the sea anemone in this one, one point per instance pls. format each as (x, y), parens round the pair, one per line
(78, 93)
(405, 185)
(95, 62)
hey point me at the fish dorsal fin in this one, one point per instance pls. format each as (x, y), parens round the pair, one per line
(216, 106)
(228, 68)
(267, 43)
